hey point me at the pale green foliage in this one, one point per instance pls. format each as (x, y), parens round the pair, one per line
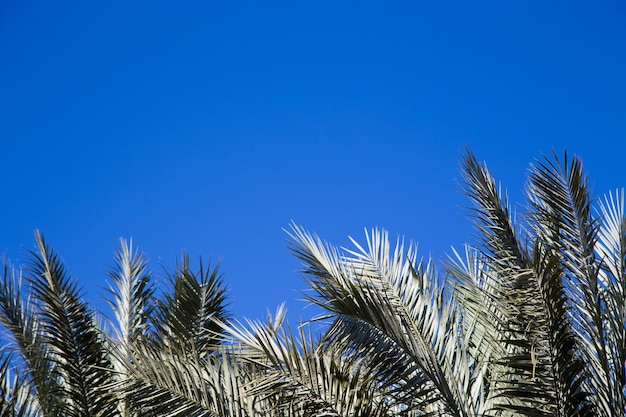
(528, 321)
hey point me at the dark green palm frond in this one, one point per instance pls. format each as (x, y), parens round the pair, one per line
(530, 314)
(187, 314)
(388, 291)
(131, 295)
(611, 247)
(76, 344)
(492, 217)
(299, 375)
(563, 222)
(511, 309)
(568, 368)
(25, 340)
(501, 284)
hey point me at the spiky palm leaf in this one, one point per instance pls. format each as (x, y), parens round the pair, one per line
(302, 376)
(25, 343)
(131, 296)
(611, 248)
(132, 301)
(76, 346)
(176, 367)
(592, 274)
(530, 322)
(187, 313)
(404, 320)
(544, 374)
(15, 392)
(59, 352)
(165, 382)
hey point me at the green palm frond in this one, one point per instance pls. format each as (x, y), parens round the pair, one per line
(132, 301)
(187, 313)
(501, 242)
(164, 383)
(76, 345)
(478, 290)
(542, 373)
(298, 375)
(177, 368)
(16, 396)
(529, 322)
(400, 299)
(564, 223)
(25, 342)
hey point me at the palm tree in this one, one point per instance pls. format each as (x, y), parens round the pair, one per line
(530, 321)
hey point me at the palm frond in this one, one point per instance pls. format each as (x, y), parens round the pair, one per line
(173, 383)
(298, 374)
(564, 224)
(131, 295)
(479, 291)
(541, 372)
(76, 345)
(492, 217)
(16, 396)
(25, 342)
(399, 297)
(611, 248)
(187, 313)
(132, 302)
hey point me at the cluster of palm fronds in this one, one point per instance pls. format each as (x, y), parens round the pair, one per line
(58, 359)
(530, 321)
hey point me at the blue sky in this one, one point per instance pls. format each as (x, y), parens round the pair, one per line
(208, 126)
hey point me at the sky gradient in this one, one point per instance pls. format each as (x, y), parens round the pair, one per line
(209, 126)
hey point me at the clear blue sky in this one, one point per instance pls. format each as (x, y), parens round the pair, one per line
(210, 125)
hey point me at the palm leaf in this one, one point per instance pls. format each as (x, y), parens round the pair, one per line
(173, 383)
(16, 396)
(25, 341)
(611, 248)
(75, 343)
(402, 301)
(187, 313)
(542, 371)
(131, 295)
(300, 376)
(564, 223)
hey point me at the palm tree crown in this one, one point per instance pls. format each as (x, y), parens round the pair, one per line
(529, 321)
